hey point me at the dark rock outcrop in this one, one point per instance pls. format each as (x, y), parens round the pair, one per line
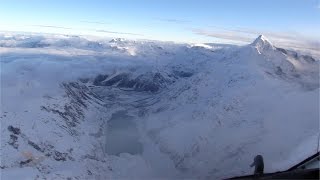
(148, 82)
(13, 141)
(14, 130)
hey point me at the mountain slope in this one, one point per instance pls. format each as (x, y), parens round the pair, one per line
(196, 111)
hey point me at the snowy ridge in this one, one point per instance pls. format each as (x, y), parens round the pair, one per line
(262, 44)
(197, 111)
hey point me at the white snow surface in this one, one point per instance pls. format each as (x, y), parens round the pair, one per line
(202, 111)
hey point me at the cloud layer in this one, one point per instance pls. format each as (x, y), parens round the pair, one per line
(49, 26)
(281, 39)
(117, 32)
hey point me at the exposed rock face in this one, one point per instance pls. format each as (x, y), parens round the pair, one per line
(148, 82)
(14, 130)
(262, 43)
(72, 112)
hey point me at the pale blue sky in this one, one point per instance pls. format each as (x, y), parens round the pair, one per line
(178, 20)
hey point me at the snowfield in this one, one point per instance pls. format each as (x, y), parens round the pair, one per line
(82, 108)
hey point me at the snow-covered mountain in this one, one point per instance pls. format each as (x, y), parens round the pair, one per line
(73, 107)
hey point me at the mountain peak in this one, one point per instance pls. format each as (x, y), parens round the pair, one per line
(261, 40)
(262, 37)
(262, 43)
(117, 40)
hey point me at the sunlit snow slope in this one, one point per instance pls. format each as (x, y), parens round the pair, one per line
(75, 107)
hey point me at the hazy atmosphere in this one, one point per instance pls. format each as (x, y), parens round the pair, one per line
(183, 21)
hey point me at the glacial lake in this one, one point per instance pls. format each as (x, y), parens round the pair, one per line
(122, 135)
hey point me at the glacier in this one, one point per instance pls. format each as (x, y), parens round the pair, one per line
(101, 108)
